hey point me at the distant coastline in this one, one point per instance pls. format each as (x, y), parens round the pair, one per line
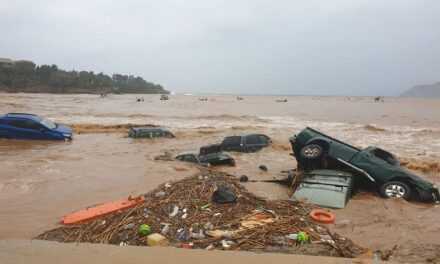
(23, 76)
(424, 91)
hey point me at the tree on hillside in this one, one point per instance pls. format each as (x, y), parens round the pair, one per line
(23, 75)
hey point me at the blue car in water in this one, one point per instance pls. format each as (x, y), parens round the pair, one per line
(29, 126)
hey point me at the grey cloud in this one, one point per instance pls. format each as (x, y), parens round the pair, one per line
(277, 47)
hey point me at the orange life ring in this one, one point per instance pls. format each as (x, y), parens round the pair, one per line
(322, 216)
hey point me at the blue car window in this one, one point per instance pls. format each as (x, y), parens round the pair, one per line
(253, 140)
(232, 141)
(27, 124)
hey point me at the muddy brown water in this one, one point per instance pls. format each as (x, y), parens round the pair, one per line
(41, 181)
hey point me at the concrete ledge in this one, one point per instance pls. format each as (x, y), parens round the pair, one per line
(45, 252)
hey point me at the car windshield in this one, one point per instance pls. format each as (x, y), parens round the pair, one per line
(47, 123)
(386, 156)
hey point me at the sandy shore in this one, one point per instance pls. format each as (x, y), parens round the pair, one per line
(44, 252)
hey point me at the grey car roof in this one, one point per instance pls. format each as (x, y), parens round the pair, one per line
(152, 129)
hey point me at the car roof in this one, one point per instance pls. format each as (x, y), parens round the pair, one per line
(247, 135)
(24, 115)
(187, 153)
(152, 129)
(255, 134)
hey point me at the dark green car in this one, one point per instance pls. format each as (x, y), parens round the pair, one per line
(315, 150)
(149, 132)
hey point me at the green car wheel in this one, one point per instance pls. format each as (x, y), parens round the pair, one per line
(311, 152)
(395, 189)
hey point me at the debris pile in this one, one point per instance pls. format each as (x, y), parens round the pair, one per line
(187, 214)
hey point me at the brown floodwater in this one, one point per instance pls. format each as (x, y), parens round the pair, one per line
(40, 181)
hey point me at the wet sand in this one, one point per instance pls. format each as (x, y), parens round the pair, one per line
(41, 181)
(43, 252)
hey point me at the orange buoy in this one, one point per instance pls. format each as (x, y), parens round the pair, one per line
(102, 209)
(322, 216)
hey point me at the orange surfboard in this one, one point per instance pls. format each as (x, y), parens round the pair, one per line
(100, 210)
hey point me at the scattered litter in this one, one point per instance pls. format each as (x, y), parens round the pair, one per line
(208, 226)
(187, 245)
(210, 247)
(322, 216)
(223, 195)
(302, 238)
(220, 233)
(292, 236)
(165, 228)
(160, 194)
(263, 167)
(157, 240)
(244, 178)
(271, 220)
(226, 244)
(199, 235)
(205, 207)
(144, 230)
(129, 226)
(175, 211)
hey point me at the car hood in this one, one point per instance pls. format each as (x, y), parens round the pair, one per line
(63, 129)
(417, 180)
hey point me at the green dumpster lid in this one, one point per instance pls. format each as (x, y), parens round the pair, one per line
(328, 177)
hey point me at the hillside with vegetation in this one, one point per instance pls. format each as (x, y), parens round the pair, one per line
(427, 91)
(26, 76)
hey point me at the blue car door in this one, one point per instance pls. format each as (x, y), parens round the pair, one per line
(26, 129)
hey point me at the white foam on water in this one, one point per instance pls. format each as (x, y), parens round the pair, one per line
(402, 140)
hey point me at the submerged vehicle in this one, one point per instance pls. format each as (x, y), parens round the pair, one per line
(246, 143)
(149, 132)
(208, 155)
(30, 126)
(213, 159)
(316, 150)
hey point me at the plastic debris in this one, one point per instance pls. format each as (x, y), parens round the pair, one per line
(224, 195)
(157, 240)
(165, 228)
(160, 194)
(210, 247)
(208, 226)
(175, 211)
(244, 178)
(144, 229)
(292, 236)
(129, 226)
(187, 245)
(220, 233)
(302, 237)
(226, 244)
(263, 167)
(199, 235)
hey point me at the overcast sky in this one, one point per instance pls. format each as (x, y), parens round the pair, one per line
(353, 47)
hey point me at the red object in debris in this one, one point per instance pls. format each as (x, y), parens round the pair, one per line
(322, 216)
(102, 209)
(187, 245)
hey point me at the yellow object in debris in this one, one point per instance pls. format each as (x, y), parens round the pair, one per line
(156, 239)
